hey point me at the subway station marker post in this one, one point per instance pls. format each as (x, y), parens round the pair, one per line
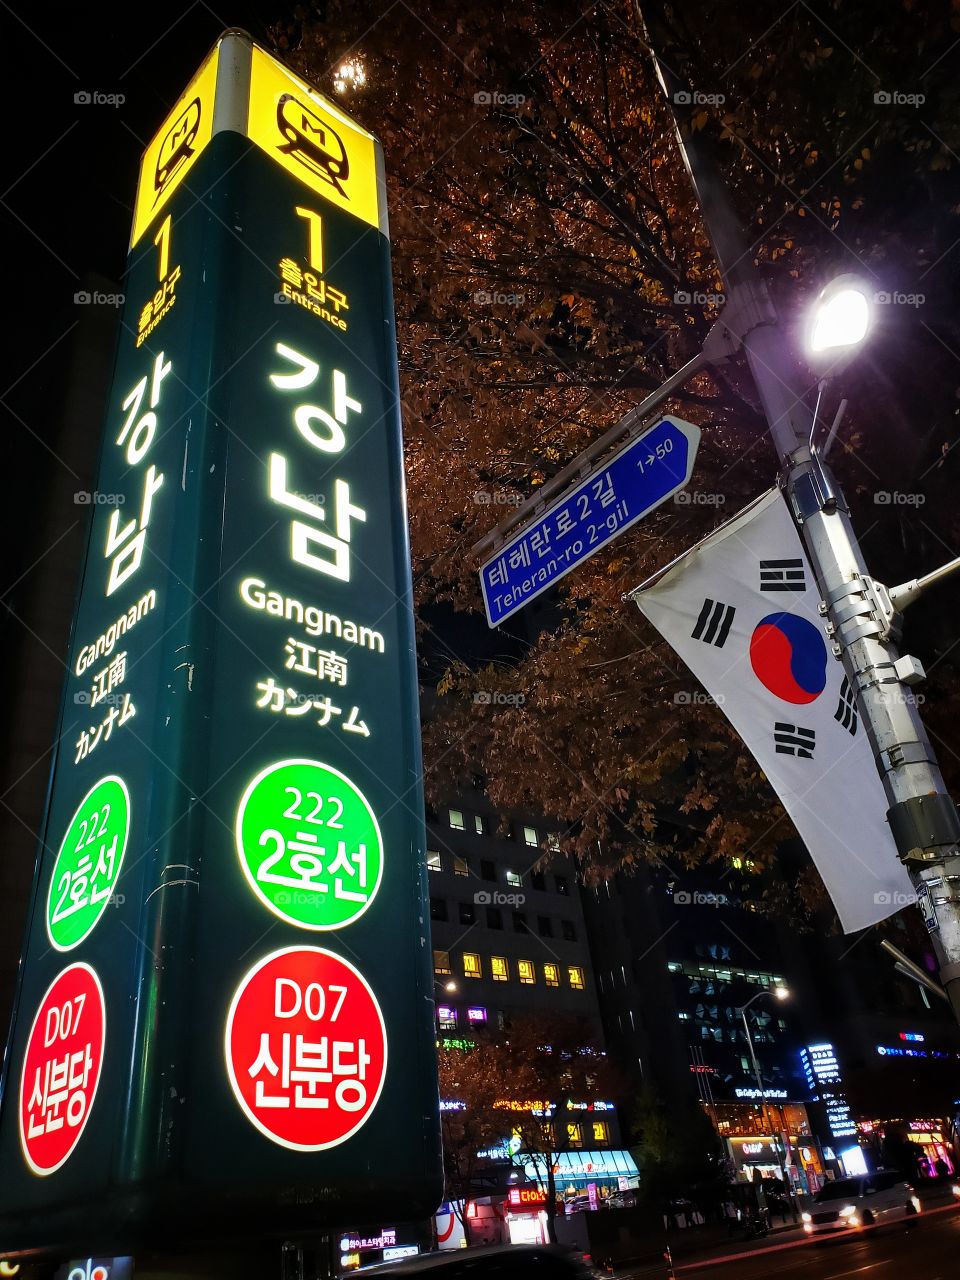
(230, 887)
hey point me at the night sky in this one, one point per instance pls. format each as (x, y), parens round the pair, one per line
(68, 182)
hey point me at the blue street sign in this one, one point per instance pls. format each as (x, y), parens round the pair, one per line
(644, 474)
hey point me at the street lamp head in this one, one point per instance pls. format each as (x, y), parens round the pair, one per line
(782, 993)
(349, 75)
(839, 323)
(450, 986)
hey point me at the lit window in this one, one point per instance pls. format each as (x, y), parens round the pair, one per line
(478, 824)
(456, 819)
(526, 972)
(551, 975)
(446, 1017)
(433, 860)
(441, 964)
(575, 974)
(475, 1014)
(530, 836)
(499, 969)
(460, 867)
(601, 1132)
(553, 843)
(513, 880)
(471, 965)
(574, 1135)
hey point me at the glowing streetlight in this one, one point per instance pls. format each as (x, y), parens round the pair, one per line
(349, 75)
(839, 322)
(779, 993)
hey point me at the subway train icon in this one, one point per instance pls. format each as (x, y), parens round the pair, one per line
(312, 142)
(177, 146)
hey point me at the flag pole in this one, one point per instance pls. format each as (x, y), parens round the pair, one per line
(857, 612)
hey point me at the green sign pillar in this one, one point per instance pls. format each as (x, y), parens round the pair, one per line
(225, 1008)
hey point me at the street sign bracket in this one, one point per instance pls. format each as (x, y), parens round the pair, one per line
(632, 423)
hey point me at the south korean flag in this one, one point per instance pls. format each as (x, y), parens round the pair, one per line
(740, 609)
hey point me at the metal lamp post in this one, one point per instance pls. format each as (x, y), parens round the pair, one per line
(781, 994)
(863, 617)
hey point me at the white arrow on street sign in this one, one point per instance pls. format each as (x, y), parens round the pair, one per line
(643, 475)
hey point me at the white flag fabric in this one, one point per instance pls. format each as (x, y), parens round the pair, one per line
(740, 609)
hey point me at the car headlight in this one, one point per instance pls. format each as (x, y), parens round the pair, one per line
(956, 1188)
(806, 1217)
(848, 1211)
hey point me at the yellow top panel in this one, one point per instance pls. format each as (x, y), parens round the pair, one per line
(312, 138)
(174, 149)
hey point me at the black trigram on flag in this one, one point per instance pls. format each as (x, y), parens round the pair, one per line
(713, 624)
(791, 740)
(782, 575)
(846, 712)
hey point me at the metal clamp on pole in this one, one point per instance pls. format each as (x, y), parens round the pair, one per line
(927, 827)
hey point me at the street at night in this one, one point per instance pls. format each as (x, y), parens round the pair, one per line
(478, 609)
(929, 1250)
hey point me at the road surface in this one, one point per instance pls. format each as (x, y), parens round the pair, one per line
(928, 1251)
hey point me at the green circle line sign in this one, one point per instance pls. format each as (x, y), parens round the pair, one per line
(309, 844)
(88, 863)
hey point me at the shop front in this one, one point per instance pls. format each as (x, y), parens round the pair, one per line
(784, 1145)
(587, 1179)
(387, 1244)
(930, 1147)
(526, 1216)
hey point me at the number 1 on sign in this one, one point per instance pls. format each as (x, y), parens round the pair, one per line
(162, 241)
(314, 237)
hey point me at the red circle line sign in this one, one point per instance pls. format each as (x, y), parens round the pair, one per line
(61, 1067)
(305, 1048)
